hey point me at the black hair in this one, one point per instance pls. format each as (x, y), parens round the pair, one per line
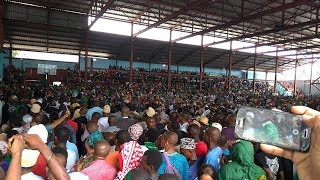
(223, 140)
(12, 133)
(96, 114)
(122, 137)
(139, 174)
(194, 127)
(168, 177)
(154, 158)
(60, 150)
(152, 134)
(45, 120)
(14, 120)
(62, 133)
(207, 169)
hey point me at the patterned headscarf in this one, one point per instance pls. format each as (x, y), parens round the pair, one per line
(3, 147)
(129, 158)
(188, 143)
(94, 138)
(135, 131)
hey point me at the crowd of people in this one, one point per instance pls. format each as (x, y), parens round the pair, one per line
(110, 129)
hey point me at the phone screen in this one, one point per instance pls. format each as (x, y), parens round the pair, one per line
(273, 127)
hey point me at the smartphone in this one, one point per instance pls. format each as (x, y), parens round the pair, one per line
(276, 128)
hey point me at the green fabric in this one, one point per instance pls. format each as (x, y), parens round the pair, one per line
(95, 137)
(242, 165)
(128, 176)
(87, 161)
(150, 146)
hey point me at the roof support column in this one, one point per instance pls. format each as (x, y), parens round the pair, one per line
(10, 55)
(169, 60)
(254, 68)
(276, 73)
(310, 85)
(86, 57)
(201, 62)
(295, 76)
(230, 67)
(1, 24)
(266, 76)
(131, 53)
(91, 65)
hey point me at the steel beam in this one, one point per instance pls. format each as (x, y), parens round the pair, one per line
(189, 53)
(276, 74)
(86, 57)
(247, 18)
(230, 67)
(292, 49)
(295, 77)
(310, 85)
(169, 60)
(173, 16)
(217, 57)
(201, 62)
(254, 69)
(102, 11)
(131, 54)
(150, 4)
(10, 55)
(282, 42)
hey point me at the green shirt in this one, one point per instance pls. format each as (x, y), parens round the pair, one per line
(150, 146)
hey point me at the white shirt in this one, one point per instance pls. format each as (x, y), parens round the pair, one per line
(103, 124)
(78, 176)
(206, 112)
(72, 159)
(32, 176)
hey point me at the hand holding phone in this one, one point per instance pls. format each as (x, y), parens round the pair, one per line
(273, 127)
(307, 163)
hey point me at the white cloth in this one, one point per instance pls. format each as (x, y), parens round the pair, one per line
(72, 159)
(206, 113)
(78, 176)
(32, 176)
(184, 127)
(103, 124)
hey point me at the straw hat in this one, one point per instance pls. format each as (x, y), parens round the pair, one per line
(150, 112)
(106, 109)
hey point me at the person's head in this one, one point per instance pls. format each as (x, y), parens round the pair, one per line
(112, 120)
(151, 161)
(95, 116)
(206, 172)
(122, 137)
(83, 111)
(212, 137)
(223, 141)
(188, 148)
(62, 134)
(11, 133)
(96, 103)
(110, 137)
(168, 177)
(231, 120)
(139, 174)
(193, 131)
(184, 116)
(135, 131)
(173, 116)
(151, 122)
(92, 126)
(14, 120)
(170, 140)
(125, 111)
(62, 155)
(152, 135)
(101, 149)
(37, 119)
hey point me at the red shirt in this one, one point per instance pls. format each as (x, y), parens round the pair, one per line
(73, 125)
(201, 149)
(40, 167)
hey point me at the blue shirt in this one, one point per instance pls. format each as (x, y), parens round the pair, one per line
(70, 146)
(93, 110)
(179, 162)
(213, 158)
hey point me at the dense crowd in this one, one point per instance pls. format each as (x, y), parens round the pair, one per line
(110, 129)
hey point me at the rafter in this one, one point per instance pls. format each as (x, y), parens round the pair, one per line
(247, 18)
(102, 11)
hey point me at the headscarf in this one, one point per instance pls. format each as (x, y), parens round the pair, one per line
(95, 137)
(188, 143)
(129, 158)
(242, 165)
